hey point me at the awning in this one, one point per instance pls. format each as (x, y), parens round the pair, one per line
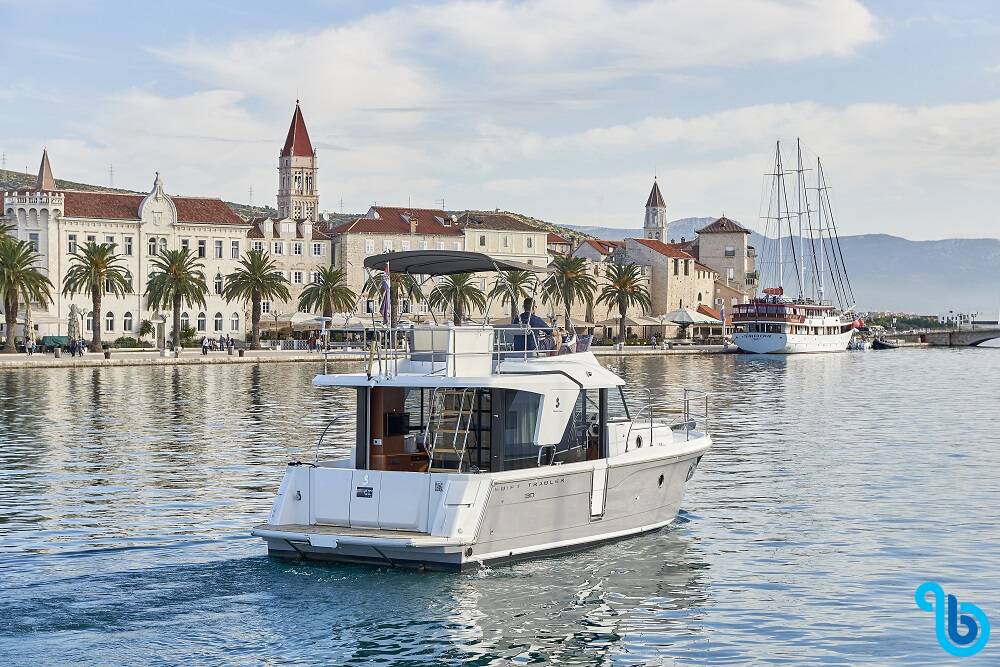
(631, 321)
(444, 262)
(688, 316)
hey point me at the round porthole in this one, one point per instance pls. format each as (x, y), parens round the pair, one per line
(638, 442)
(659, 482)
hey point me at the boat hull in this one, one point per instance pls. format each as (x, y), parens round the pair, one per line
(782, 343)
(518, 515)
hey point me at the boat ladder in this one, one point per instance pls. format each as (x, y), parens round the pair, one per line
(448, 428)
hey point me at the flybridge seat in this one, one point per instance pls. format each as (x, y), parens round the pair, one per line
(454, 351)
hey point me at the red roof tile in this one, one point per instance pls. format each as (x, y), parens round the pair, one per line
(394, 220)
(602, 246)
(116, 206)
(711, 312)
(723, 224)
(495, 221)
(672, 250)
(555, 238)
(297, 142)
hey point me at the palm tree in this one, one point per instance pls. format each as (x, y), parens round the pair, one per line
(568, 283)
(624, 289)
(176, 278)
(460, 292)
(96, 269)
(330, 293)
(19, 279)
(146, 328)
(401, 285)
(256, 279)
(513, 287)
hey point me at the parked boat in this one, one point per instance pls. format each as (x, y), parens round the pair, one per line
(774, 323)
(882, 344)
(472, 446)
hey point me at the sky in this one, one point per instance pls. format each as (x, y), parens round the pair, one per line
(564, 110)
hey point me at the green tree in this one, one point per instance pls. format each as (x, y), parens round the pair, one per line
(20, 280)
(146, 328)
(329, 294)
(568, 283)
(96, 269)
(512, 288)
(176, 278)
(401, 286)
(256, 279)
(624, 289)
(460, 292)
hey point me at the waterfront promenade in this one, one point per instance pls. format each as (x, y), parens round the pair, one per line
(194, 356)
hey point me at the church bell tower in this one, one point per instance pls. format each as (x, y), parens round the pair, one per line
(298, 197)
(655, 224)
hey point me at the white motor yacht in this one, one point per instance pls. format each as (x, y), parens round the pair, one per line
(471, 449)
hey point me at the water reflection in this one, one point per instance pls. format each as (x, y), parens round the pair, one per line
(836, 483)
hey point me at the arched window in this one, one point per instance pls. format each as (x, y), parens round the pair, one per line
(202, 322)
(218, 283)
(185, 320)
(109, 322)
(89, 322)
(218, 322)
(127, 322)
(152, 245)
(234, 322)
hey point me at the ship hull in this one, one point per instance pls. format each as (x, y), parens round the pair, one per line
(783, 343)
(513, 516)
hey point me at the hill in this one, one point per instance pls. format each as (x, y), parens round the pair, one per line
(892, 273)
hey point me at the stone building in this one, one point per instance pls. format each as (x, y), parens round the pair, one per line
(677, 280)
(723, 246)
(298, 248)
(654, 225)
(57, 221)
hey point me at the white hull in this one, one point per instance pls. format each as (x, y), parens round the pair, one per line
(782, 343)
(452, 521)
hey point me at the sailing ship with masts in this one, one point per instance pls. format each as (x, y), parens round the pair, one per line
(806, 298)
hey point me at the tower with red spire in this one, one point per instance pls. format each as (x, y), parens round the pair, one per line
(298, 196)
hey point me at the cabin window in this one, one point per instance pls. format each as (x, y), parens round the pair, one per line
(581, 439)
(520, 419)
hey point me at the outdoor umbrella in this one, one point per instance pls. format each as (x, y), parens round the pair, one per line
(688, 316)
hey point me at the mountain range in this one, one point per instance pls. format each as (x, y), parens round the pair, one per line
(890, 273)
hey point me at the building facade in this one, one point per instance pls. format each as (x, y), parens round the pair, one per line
(57, 221)
(723, 246)
(677, 280)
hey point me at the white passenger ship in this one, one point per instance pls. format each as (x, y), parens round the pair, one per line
(773, 323)
(468, 450)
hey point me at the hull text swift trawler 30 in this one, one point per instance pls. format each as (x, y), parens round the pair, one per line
(479, 443)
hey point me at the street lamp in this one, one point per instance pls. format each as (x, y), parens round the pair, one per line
(276, 314)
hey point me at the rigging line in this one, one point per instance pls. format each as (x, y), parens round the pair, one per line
(766, 185)
(809, 227)
(791, 240)
(833, 223)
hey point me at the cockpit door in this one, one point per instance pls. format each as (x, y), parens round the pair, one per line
(598, 490)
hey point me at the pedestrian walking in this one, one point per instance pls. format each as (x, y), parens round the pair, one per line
(204, 345)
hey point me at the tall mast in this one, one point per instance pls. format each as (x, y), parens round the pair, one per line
(819, 224)
(777, 175)
(799, 186)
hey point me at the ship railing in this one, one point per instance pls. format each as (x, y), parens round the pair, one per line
(451, 351)
(690, 414)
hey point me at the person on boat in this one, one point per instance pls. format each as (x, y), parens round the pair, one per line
(538, 326)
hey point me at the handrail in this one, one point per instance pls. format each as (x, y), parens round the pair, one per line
(690, 395)
(323, 434)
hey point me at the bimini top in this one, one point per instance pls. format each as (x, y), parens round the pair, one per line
(444, 262)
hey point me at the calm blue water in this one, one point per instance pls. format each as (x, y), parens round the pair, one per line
(838, 484)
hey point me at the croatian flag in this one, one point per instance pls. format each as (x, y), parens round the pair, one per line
(386, 295)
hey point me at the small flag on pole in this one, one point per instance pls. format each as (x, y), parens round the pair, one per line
(386, 295)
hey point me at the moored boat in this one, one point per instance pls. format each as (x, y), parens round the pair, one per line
(883, 344)
(774, 323)
(474, 444)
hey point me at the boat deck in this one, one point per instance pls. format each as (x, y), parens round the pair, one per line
(347, 534)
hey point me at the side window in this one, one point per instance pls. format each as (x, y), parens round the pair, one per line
(520, 420)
